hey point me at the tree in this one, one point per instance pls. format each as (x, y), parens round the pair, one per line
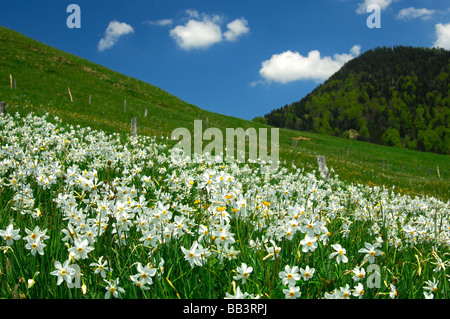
(364, 133)
(392, 138)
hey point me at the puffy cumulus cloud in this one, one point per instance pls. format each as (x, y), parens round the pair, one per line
(236, 28)
(113, 33)
(203, 30)
(443, 36)
(414, 13)
(383, 4)
(292, 66)
(197, 34)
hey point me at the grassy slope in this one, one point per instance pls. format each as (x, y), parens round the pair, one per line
(44, 74)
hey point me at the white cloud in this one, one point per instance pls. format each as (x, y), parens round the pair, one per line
(161, 23)
(383, 4)
(443, 36)
(197, 34)
(113, 32)
(413, 13)
(202, 30)
(236, 28)
(292, 66)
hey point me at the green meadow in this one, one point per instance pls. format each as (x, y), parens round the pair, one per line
(89, 211)
(44, 76)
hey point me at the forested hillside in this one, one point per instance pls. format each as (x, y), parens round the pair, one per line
(392, 96)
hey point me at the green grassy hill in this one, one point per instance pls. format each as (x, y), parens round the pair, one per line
(44, 76)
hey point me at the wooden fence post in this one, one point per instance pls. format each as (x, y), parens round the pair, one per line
(134, 126)
(11, 81)
(2, 108)
(70, 95)
(323, 169)
(145, 113)
(125, 106)
(89, 99)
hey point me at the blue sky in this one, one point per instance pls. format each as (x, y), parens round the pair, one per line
(239, 58)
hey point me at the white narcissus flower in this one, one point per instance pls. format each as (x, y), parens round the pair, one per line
(237, 295)
(64, 272)
(359, 291)
(289, 275)
(243, 272)
(393, 293)
(307, 273)
(292, 292)
(81, 248)
(359, 273)
(10, 234)
(344, 292)
(100, 267)
(35, 246)
(371, 251)
(113, 289)
(192, 255)
(340, 253)
(309, 243)
(431, 285)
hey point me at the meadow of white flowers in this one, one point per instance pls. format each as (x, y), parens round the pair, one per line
(84, 213)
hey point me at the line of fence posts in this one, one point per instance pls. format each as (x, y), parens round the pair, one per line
(12, 82)
(386, 165)
(134, 127)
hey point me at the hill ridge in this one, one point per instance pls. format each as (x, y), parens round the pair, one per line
(395, 96)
